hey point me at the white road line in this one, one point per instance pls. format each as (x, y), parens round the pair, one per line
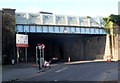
(64, 68)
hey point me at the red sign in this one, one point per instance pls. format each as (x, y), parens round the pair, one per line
(41, 46)
(22, 45)
(21, 40)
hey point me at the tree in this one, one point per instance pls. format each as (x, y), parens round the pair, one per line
(113, 21)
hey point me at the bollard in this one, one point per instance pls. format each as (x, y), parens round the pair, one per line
(108, 58)
(69, 59)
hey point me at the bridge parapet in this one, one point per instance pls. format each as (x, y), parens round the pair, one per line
(51, 19)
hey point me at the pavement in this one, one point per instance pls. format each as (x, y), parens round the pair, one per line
(20, 71)
(27, 70)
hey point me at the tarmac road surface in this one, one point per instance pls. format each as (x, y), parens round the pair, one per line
(93, 71)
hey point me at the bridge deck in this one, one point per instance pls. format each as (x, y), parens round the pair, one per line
(59, 29)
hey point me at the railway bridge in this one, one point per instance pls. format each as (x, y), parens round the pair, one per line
(81, 38)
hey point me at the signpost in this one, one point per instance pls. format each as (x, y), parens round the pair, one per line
(41, 55)
(21, 41)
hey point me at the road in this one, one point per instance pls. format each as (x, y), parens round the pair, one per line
(94, 71)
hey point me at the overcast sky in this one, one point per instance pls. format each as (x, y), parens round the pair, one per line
(64, 7)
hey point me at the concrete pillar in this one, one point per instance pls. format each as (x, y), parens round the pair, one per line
(107, 48)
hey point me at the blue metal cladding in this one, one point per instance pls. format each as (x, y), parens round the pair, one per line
(77, 30)
(62, 29)
(82, 30)
(56, 29)
(45, 29)
(26, 29)
(19, 28)
(51, 29)
(59, 29)
(39, 29)
(32, 28)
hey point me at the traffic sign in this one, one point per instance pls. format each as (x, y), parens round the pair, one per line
(40, 47)
(43, 46)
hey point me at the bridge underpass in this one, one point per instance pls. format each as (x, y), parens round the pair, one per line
(80, 43)
(77, 46)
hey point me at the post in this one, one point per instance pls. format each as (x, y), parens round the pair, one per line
(17, 54)
(36, 55)
(26, 49)
(40, 59)
(26, 54)
(40, 66)
(43, 54)
(43, 46)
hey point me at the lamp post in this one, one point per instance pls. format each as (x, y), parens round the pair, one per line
(17, 51)
(26, 49)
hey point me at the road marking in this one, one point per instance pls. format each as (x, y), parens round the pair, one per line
(64, 68)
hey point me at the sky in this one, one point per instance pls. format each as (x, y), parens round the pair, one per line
(64, 7)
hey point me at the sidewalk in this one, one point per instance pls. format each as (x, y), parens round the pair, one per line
(76, 62)
(20, 71)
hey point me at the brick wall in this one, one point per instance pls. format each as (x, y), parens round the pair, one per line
(0, 36)
(8, 34)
